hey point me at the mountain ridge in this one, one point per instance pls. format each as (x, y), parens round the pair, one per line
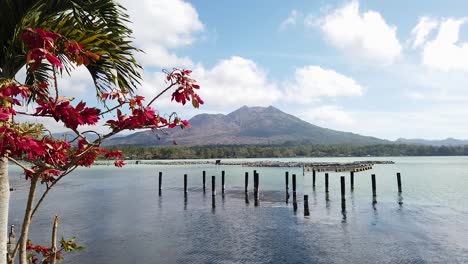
(247, 125)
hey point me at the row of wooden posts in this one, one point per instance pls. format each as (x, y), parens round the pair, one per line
(306, 197)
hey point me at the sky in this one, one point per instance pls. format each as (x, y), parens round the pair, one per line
(387, 69)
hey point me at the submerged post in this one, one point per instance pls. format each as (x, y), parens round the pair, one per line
(294, 183)
(294, 192)
(343, 188)
(185, 184)
(352, 180)
(398, 175)
(246, 182)
(213, 185)
(326, 182)
(286, 176)
(374, 188)
(160, 183)
(313, 178)
(204, 181)
(306, 205)
(222, 181)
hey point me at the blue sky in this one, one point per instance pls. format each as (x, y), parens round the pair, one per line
(388, 69)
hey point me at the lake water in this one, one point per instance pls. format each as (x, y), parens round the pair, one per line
(119, 217)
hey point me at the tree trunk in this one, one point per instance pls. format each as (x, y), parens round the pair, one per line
(23, 258)
(4, 202)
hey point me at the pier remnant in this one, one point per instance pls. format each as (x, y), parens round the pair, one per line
(306, 205)
(374, 187)
(343, 190)
(204, 181)
(185, 184)
(326, 182)
(213, 185)
(398, 175)
(160, 183)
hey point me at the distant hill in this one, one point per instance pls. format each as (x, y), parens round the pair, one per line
(442, 142)
(247, 125)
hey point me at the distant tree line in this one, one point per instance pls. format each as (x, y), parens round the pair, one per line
(277, 151)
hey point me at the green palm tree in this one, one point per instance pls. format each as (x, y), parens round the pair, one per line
(101, 25)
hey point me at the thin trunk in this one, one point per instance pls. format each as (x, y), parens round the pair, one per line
(4, 202)
(27, 221)
(54, 241)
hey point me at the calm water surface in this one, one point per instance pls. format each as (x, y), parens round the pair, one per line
(119, 217)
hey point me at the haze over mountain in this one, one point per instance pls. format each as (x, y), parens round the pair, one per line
(247, 125)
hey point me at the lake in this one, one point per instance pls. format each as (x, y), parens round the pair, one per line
(117, 215)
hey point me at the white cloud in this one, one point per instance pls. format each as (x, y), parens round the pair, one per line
(228, 84)
(444, 52)
(328, 116)
(422, 30)
(366, 36)
(291, 20)
(161, 25)
(234, 82)
(313, 82)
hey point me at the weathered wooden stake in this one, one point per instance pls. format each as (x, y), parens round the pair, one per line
(294, 183)
(374, 187)
(204, 181)
(326, 182)
(160, 183)
(294, 192)
(246, 182)
(352, 180)
(185, 184)
(286, 176)
(256, 184)
(398, 176)
(306, 205)
(222, 182)
(343, 191)
(313, 178)
(213, 185)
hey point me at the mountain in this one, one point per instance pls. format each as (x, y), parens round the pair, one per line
(442, 142)
(247, 125)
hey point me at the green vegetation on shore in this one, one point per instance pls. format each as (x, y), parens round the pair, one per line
(275, 151)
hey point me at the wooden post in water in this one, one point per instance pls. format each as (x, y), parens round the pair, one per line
(306, 205)
(294, 183)
(246, 182)
(374, 187)
(204, 181)
(343, 191)
(294, 192)
(352, 180)
(256, 185)
(213, 185)
(185, 184)
(222, 181)
(286, 176)
(326, 182)
(398, 176)
(160, 183)
(313, 178)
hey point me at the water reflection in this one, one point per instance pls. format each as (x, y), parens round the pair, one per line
(185, 202)
(213, 203)
(400, 200)
(374, 203)
(247, 197)
(294, 202)
(343, 211)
